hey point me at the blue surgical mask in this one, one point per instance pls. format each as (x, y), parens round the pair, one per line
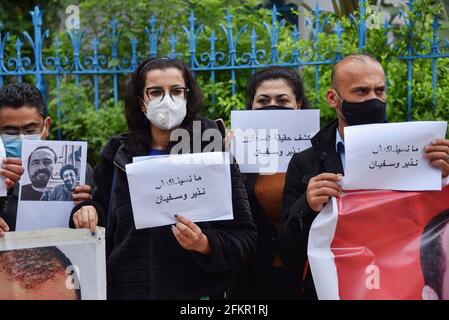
(13, 143)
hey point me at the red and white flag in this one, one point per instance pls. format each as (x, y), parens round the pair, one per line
(382, 245)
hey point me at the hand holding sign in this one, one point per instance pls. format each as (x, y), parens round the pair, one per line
(438, 155)
(321, 188)
(12, 170)
(86, 217)
(3, 227)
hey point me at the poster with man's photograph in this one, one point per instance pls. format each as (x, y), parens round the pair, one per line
(53, 264)
(52, 171)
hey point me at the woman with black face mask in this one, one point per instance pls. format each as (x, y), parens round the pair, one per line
(265, 276)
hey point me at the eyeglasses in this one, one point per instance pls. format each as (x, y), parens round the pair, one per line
(15, 131)
(158, 94)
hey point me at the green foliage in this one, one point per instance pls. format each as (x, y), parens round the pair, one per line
(79, 121)
(379, 45)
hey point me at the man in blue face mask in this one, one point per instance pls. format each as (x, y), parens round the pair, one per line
(23, 116)
(358, 96)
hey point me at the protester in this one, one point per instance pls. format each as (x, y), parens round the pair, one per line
(358, 96)
(265, 276)
(186, 261)
(23, 116)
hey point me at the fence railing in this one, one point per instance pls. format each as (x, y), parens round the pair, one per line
(97, 65)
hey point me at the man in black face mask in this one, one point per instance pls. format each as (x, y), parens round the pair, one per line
(358, 97)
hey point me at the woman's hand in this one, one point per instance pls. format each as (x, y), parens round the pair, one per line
(86, 217)
(190, 236)
(82, 193)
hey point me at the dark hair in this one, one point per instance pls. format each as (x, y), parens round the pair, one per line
(433, 258)
(42, 148)
(362, 57)
(68, 167)
(274, 73)
(17, 95)
(138, 124)
(35, 266)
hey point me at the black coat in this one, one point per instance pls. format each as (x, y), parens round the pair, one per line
(150, 263)
(297, 216)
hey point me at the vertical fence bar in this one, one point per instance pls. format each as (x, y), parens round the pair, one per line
(19, 59)
(231, 48)
(95, 67)
(173, 53)
(192, 40)
(212, 64)
(58, 104)
(3, 40)
(253, 39)
(362, 26)
(37, 50)
(153, 35)
(114, 56)
(409, 63)
(434, 55)
(315, 48)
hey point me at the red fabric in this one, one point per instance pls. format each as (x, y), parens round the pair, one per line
(383, 228)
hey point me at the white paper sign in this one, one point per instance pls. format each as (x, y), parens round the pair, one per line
(264, 141)
(391, 156)
(197, 186)
(45, 198)
(50, 264)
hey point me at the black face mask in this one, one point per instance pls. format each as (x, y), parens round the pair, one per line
(274, 107)
(366, 112)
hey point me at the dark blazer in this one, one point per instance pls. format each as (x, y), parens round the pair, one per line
(150, 263)
(297, 216)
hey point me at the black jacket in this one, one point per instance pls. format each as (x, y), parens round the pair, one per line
(297, 216)
(150, 263)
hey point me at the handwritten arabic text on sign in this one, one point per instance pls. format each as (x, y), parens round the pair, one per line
(197, 186)
(265, 140)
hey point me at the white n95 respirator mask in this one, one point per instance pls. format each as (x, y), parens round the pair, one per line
(167, 113)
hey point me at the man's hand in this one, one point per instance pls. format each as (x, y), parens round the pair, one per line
(82, 193)
(190, 236)
(3, 227)
(86, 217)
(321, 188)
(438, 155)
(12, 170)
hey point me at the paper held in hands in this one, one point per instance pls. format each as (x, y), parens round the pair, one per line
(391, 156)
(265, 141)
(196, 186)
